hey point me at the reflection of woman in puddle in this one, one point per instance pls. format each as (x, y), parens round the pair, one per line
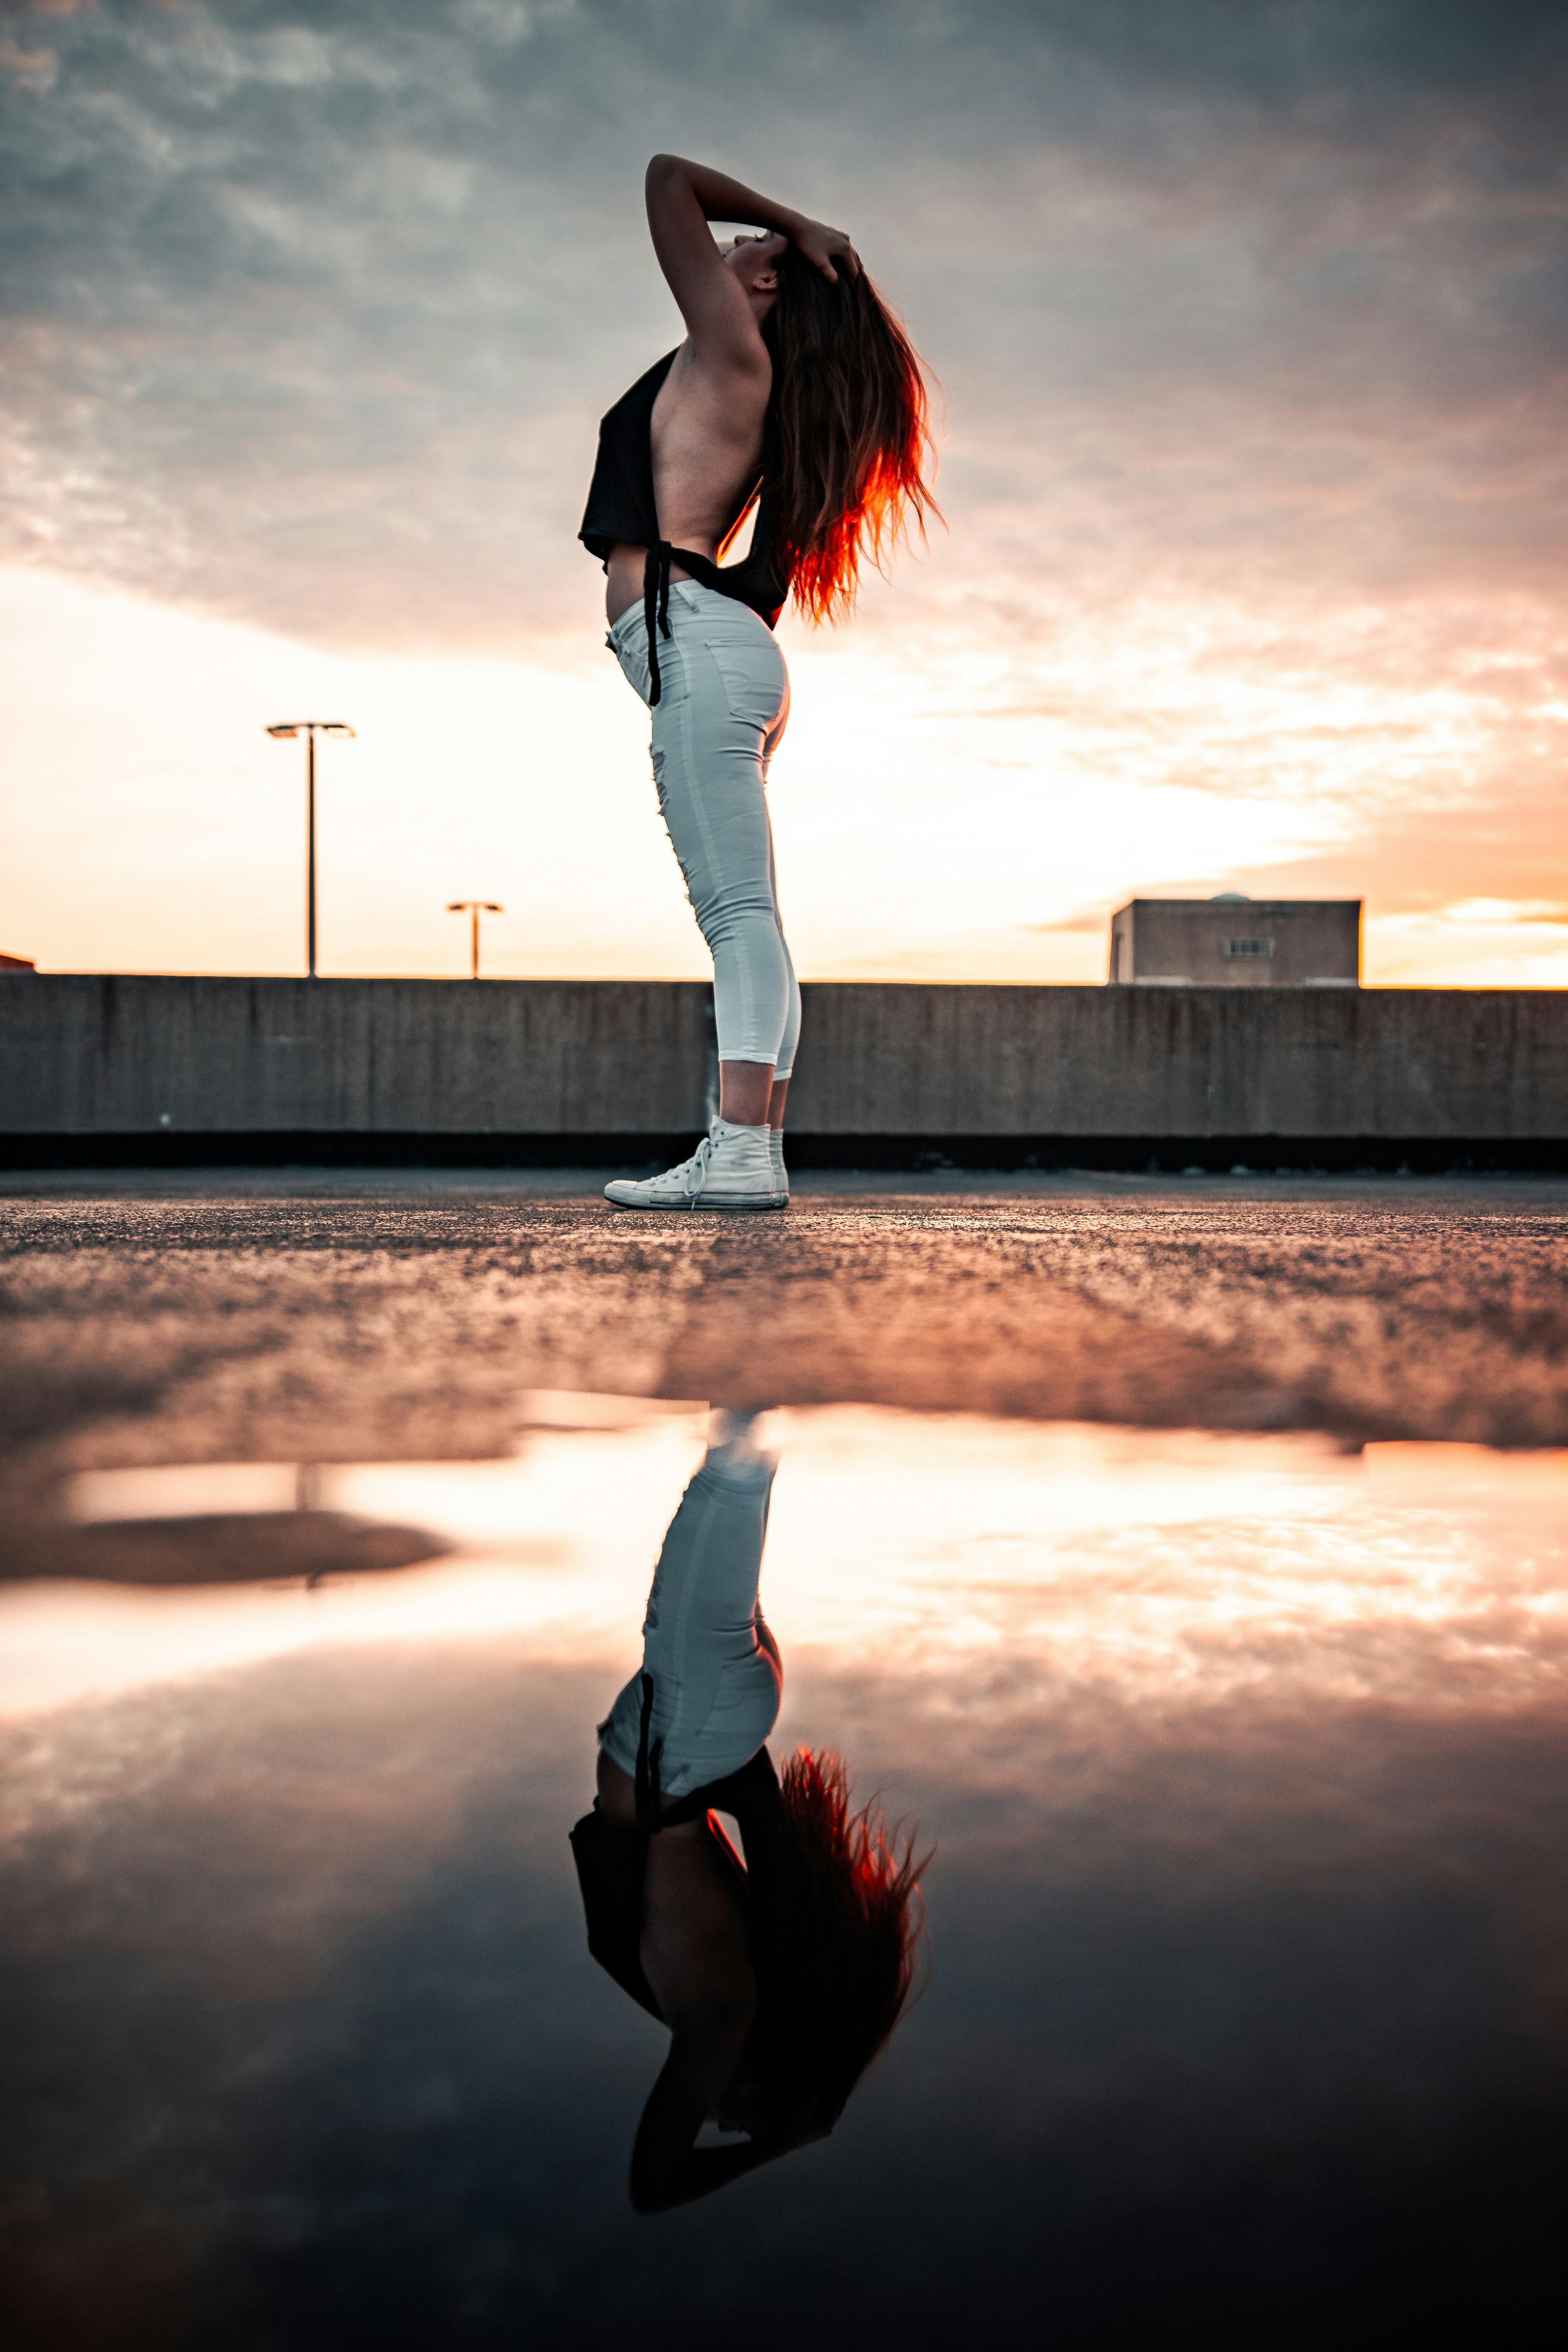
(779, 1975)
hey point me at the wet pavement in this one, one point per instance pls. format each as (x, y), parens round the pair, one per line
(1183, 1560)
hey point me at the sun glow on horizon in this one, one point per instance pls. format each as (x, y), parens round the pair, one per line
(944, 810)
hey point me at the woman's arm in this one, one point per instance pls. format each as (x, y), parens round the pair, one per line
(692, 2078)
(667, 2170)
(694, 1955)
(682, 198)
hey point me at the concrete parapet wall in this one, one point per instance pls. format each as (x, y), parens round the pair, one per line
(1184, 1061)
(86, 1055)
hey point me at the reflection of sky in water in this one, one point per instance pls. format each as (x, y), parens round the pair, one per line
(1244, 1759)
(1171, 1562)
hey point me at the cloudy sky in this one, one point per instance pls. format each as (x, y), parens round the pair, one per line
(1250, 321)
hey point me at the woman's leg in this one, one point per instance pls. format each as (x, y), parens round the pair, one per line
(784, 1069)
(725, 695)
(715, 1667)
(742, 1092)
(711, 738)
(745, 1091)
(788, 1043)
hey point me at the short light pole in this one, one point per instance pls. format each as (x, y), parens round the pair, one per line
(473, 907)
(310, 728)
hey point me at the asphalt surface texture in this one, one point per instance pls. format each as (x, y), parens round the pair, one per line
(314, 1314)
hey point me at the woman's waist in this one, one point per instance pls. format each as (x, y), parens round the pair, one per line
(701, 1725)
(734, 588)
(626, 569)
(699, 1761)
(702, 614)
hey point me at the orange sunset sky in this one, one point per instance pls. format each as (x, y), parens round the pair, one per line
(1249, 327)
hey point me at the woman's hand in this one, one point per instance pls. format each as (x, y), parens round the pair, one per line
(823, 246)
(682, 198)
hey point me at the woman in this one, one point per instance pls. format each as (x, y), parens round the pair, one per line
(797, 396)
(780, 1974)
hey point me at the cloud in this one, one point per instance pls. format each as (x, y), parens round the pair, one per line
(314, 319)
(1249, 322)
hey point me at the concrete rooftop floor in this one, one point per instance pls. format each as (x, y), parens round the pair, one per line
(303, 1314)
(1244, 1765)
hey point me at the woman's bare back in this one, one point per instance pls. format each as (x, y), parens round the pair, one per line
(707, 443)
(707, 435)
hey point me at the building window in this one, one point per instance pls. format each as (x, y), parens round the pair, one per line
(1250, 947)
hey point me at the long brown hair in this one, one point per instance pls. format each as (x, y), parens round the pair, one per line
(853, 434)
(842, 1946)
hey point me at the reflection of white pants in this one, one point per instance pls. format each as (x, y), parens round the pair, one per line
(722, 708)
(715, 1665)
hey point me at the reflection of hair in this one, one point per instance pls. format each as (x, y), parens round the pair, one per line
(841, 1960)
(850, 401)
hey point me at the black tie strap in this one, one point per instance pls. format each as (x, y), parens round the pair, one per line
(656, 585)
(649, 1796)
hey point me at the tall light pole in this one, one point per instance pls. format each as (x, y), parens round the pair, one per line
(475, 908)
(310, 728)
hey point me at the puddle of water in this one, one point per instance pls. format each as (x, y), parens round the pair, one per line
(1245, 1764)
(1173, 1560)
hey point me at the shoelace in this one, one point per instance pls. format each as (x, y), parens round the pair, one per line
(695, 1169)
(691, 1173)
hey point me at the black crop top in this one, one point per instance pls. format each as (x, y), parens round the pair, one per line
(622, 510)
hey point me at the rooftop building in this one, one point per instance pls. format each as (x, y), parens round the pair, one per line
(1234, 942)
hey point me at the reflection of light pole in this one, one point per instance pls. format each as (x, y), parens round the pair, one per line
(476, 908)
(310, 728)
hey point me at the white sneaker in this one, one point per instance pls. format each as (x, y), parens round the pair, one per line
(732, 1168)
(781, 1175)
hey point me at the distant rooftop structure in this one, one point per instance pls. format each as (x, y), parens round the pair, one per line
(17, 963)
(1234, 942)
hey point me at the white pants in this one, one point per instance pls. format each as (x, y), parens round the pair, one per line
(722, 708)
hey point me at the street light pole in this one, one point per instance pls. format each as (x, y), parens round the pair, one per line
(474, 908)
(310, 728)
(311, 852)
